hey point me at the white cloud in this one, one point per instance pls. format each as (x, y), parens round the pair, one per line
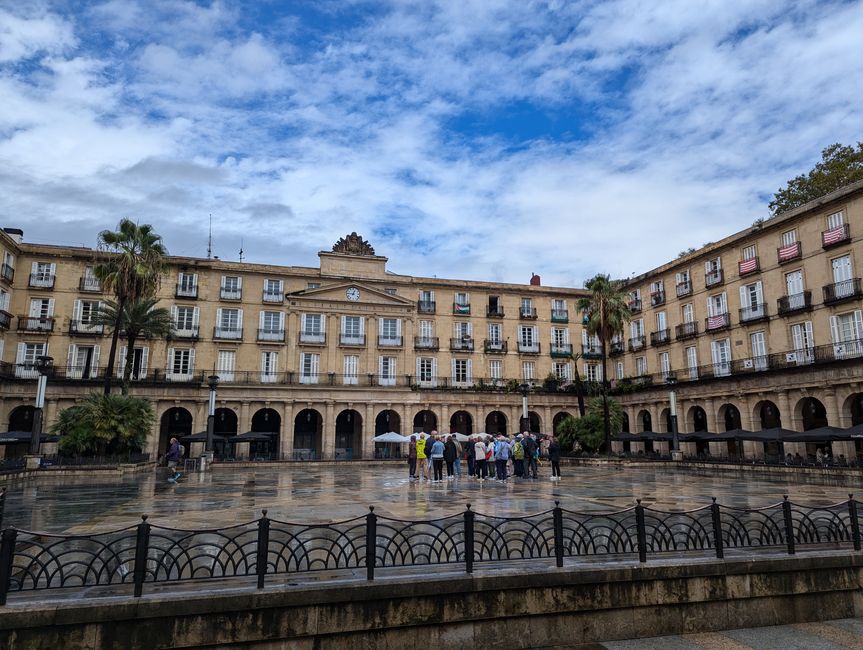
(22, 37)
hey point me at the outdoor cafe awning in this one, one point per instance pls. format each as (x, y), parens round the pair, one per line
(15, 437)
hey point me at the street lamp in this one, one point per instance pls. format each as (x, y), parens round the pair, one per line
(671, 381)
(525, 417)
(212, 382)
(44, 365)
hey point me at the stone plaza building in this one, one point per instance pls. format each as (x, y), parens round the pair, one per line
(761, 329)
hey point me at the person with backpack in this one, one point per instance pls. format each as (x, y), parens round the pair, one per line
(518, 457)
(173, 457)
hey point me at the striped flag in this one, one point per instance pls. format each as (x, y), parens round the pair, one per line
(789, 252)
(715, 322)
(748, 266)
(833, 236)
(462, 309)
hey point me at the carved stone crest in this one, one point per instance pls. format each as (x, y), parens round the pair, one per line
(353, 244)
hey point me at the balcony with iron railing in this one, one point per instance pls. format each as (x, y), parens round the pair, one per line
(591, 351)
(42, 280)
(754, 313)
(85, 328)
(684, 288)
(271, 335)
(7, 273)
(312, 338)
(461, 309)
(461, 344)
(494, 347)
(389, 341)
(636, 343)
(227, 333)
(842, 291)
(5, 319)
(527, 313)
(686, 331)
(662, 337)
(426, 343)
(352, 340)
(634, 305)
(794, 303)
(89, 284)
(187, 291)
(426, 306)
(185, 332)
(35, 324)
(717, 322)
(789, 253)
(616, 348)
(559, 316)
(528, 348)
(276, 297)
(657, 298)
(494, 312)
(835, 236)
(714, 278)
(230, 294)
(561, 350)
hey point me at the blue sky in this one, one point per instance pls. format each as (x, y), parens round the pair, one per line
(472, 139)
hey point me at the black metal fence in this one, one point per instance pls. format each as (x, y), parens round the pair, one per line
(149, 553)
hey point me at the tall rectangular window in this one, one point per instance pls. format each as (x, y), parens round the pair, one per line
(227, 362)
(692, 362)
(528, 370)
(387, 371)
(495, 369)
(310, 364)
(351, 369)
(269, 367)
(721, 352)
(789, 237)
(427, 371)
(803, 342)
(461, 371)
(641, 366)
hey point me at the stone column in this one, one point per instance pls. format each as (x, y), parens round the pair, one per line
(287, 434)
(785, 413)
(328, 432)
(832, 407)
(710, 410)
(199, 422)
(443, 422)
(547, 420)
(50, 413)
(367, 445)
(245, 421)
(747, 418)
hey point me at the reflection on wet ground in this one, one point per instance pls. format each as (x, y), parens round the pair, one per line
(309, 492)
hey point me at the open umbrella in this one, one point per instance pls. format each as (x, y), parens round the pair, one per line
(250, 436)
(460, 436)
(13, 437)
(391, 436)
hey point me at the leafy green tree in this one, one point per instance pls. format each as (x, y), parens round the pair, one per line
(607, 314)
(589, 431)
(840, 165)
(139, 319)
(132, 270)
(119, 423)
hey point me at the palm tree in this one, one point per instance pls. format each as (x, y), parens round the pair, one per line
(132, 270)
(138, 319)
(607, 313)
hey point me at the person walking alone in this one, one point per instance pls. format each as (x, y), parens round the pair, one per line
(554, 457)
(173, 457)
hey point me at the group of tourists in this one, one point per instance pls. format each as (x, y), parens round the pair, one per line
(487, 457)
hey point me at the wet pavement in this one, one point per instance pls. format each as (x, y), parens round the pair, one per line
(319, 493)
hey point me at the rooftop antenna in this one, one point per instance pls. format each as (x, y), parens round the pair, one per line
(210, 240)
(241, 249)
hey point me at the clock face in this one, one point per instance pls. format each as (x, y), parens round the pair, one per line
(353, 294)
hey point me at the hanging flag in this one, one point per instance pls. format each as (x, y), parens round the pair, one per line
(715, 322)
(748, 266)
(461, 309)
(789, 252)
(833, 236)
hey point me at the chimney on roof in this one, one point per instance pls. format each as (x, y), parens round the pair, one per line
(535, 280)
(15, 233)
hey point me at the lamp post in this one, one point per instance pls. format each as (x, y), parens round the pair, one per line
(43, 366)
(212, 382)
(525, 417)
(671, 381)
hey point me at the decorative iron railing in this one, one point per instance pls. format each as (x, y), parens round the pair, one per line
(149, 553)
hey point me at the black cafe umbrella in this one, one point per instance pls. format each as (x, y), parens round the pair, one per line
(820, 434)
(14, 437)
(250, 436)
(201, 436)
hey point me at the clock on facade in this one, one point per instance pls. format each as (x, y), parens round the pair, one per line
(353, 294)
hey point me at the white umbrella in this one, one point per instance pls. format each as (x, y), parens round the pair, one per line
(460, 436)
(391, 436)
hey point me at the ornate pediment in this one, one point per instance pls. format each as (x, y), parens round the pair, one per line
(353, 244)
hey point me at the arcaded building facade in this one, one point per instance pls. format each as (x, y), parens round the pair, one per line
(759, 330)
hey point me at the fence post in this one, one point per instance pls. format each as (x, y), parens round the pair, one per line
(855, 523)
(2, 505)
(141, 543)
(371, 542)
(558, 534)
(717, 529)
(789, 524)
(263, 547)
(641, 531)
(7, 557)
(468, 539)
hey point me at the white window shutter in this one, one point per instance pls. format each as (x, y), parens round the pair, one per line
(121, 360)
(452, 373)
(219, 317)
(76, 311)
(70, 357)
(224, 280)
(19, 358)
(50, 307)
(759, 294)
(145, 357)
(170, 362)
(192, 361)
(194, 279)
(196, 316)
(174, 314)
(431, 295)
(469, 370)
(380, 366)
(53, 269)
(94, 366)
(316, 363)
(434, 370)
(418, 368)
(303, 323)
(261, 320)
(281, 320)
(858, 325)
(834, 328)
(239, 319)
(398, 327)
(362, 325)
(744, 297)
(34, 267)
(707, 267)
(344, 324)
(240, 282)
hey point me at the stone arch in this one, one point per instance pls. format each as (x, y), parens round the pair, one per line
(811, 413)
(665, 419)
(425, 420)
(176, 422)
(729, 417)
(495, 422)
(559, 417)
(767, 414)
(854, 408)
(645, 420)
(535, 421)
(267, 421)
(625, 427)
(462, 422)
(224, 425)
(696, 419)
(21, 418)
(386, 421)
(308, 424)
(349, 435)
